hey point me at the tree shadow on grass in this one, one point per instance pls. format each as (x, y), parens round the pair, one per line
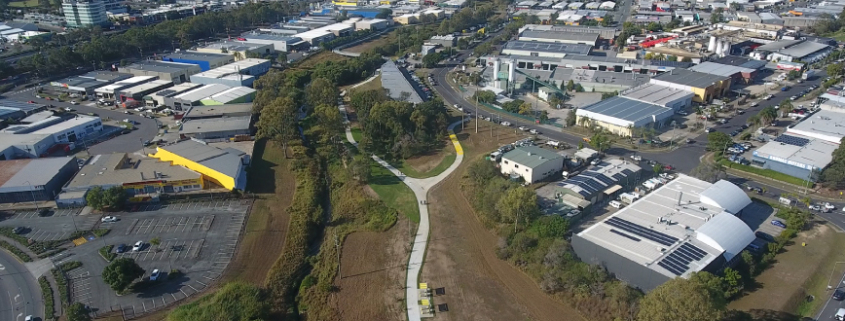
(262, 172)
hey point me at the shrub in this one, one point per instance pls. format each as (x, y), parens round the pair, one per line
(101, 232)
(235, 301)
(47, 294)
(106, 253)
(16, 251)
(67, 266)
(61, 282)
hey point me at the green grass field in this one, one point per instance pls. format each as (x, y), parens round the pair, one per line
(356, 133)
(24, 4)
(440, 168)
(394, 193)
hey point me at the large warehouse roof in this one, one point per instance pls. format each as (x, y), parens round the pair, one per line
(567, 48)
(825, 124)
(803, 152)
(26, 174)
(689, 78)
(226, 161)
(397, 83)
(670, 231)
(718, 69)
(215, 125)
(793, 48)
(656, 94)
(625, 108)
(552, 36)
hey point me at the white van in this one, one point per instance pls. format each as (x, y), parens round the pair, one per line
(840, 315)
(615, 204)
(785, 201)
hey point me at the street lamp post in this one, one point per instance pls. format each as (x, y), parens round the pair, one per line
(32, 192)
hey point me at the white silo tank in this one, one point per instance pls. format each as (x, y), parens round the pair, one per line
(726, 48)
(712, 46)
(511, 69)
(495, 72)
(718, 48)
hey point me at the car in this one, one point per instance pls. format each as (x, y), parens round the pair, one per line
(38, 96)
(814, 207)
(534, 131)
(709, 130)
(18, 230)
(154, 276)
(120, 248)
(755, 104)
(683, 113)
(839, 295)
(778, 224)
(829, 206)
(734, 133)
(668, 167)
(740, 111)
(31, 101)
(108, 219)
(523, 128)
(127, 112)
(147, 143)
(138, 245)
(506, 123)
(74, 102)
(68, 109)
(785, 88)
(48, 98)
(795, 97)
(690, 141)
(28, 318)
(770, 97)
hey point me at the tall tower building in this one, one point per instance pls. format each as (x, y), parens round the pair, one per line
(84, 13)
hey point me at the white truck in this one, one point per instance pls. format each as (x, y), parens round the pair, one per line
(808, 74)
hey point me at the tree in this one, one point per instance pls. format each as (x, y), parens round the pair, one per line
(571, 117)
(607, 21)
(155, 241)
(718, 141)
(431, 60)
(114, 197)
(785, 106)
(544, 116)
(768, 115)
(601, 142)
(328, 125)
(517, 204)
(717, 17)
(278, 122)
(709, 172)
(835, 70)
(570, 86)
(681, 299)
(120, 273)
(384, 13)
(94, 198)
(654, 26)
(77, 312)
(733, 282)
(686, 59)
(525, 108)
(322, 92)
(361, 168)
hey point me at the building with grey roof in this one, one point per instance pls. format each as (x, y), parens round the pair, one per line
(205, 60)
(545, 49)
(137, 93)
(28, 180)
(280, 43)
(399, 84)
(531, 163)
(87, 83)
(175, 72)
(826, 125)
(604, 32)
(724, 70)
(792, 50)
(676, 99)
(620, 115)
(223, 167)
(795, 155)
(160, 98)
(193, 97)
(216, 128)
(559, 37)
(704, 86)
(137, 175)
(589, 189)
(217, 111)
(684, 226)
(234, 95)
(740, 62)
(244, 48)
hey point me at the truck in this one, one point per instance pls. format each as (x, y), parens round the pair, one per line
(808, 74)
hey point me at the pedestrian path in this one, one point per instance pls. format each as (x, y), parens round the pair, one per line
(420, 187)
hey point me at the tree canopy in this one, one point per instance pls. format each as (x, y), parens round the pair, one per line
(400, 130)
(111, 198)
(682, 299)
(833, 176)
(120, 273)
(77, 312)
(718, 141)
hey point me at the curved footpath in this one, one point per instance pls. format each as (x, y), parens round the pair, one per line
(420, 186)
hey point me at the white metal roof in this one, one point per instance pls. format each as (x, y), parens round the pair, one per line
(726, 232)
(726, 195)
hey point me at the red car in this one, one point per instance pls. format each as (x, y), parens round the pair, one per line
(48, 98)
(31, 101)
(668, 167)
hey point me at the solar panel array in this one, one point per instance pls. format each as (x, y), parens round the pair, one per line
(641, 231)
(593, 182)
(792, 140)
(678, 261)
(632, 238)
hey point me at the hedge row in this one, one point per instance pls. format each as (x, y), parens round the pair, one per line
(16, 251)
(61, 282)
(47, 293)
(305, 214)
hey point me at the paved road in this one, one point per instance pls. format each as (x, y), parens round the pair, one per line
(20, 294)
(146, 129)
(832, 306)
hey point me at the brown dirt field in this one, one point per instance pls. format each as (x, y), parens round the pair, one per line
(461, 257)
(425, 163)
(784, 285)
(369, 44)
(373, 264)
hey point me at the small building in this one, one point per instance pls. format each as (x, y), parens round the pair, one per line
(590, 189)
(239, 73)
(137, 93)
(85, 85)
(545, 49)
(234, 95)
(795, 155)
(31, 180)
(531, 163)
(159, 98)
(217, 111)
(445, 41)
(205, 60)
(372, 24)
(676, 99)
(223, 167)
(736, 73)
(175, 72)
(316, 37)
(111, 91)
(216, 128)
(280, 43)
(620, 115)
(398, 84)
(243, 48)
(193, 97)
(140, 176)
(685, 226)
(706, 87)
(559, 37)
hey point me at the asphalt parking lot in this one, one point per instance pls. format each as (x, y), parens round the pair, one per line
(197, 238)
(60, 224)
(758, 216)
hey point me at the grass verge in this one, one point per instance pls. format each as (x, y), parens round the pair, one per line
(356, 134)
(24, 4)
(61, 282)
(16, 251)
(67, 266)
(47, 295)
(107, 254)
(763, 172)
(447, 161)
(394, 192)
(101, 232)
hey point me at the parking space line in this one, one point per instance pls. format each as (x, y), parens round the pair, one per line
(154, 303)
(143, 304)
(131, 226)
(183, 292)
(192, 287)
(203, 284)
(174, 297)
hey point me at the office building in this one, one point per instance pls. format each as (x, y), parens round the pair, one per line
(84, 13)
(531, 163)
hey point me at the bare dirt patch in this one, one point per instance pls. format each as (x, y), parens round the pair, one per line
(373, 270)
(375, 43)
(784, 285)
(461, 257)
(427, 162)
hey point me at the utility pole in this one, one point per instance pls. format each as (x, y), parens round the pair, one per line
(337, 249)
(476, 108)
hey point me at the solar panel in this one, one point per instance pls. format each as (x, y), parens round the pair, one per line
(792, 140)
(697, 252)
(618, 177)
(678, 261)
(627, 172)
(584, 193)
(589, 174)
(605, 179)
(639, 230)
(588, 187)
(635, 239)
(670, 268)
(578, 179)
(598, 186)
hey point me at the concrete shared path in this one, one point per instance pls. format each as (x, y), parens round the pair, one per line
(420, 187)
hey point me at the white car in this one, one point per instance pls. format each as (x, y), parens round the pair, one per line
(534, 131)
(506, 123)
(68, 109)
(829, 206)
(755, 104)
(28, 318)
(523, 128)
(108, 219)
(154, 276)
(74, 102)
(770, 97)
(138, 245)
